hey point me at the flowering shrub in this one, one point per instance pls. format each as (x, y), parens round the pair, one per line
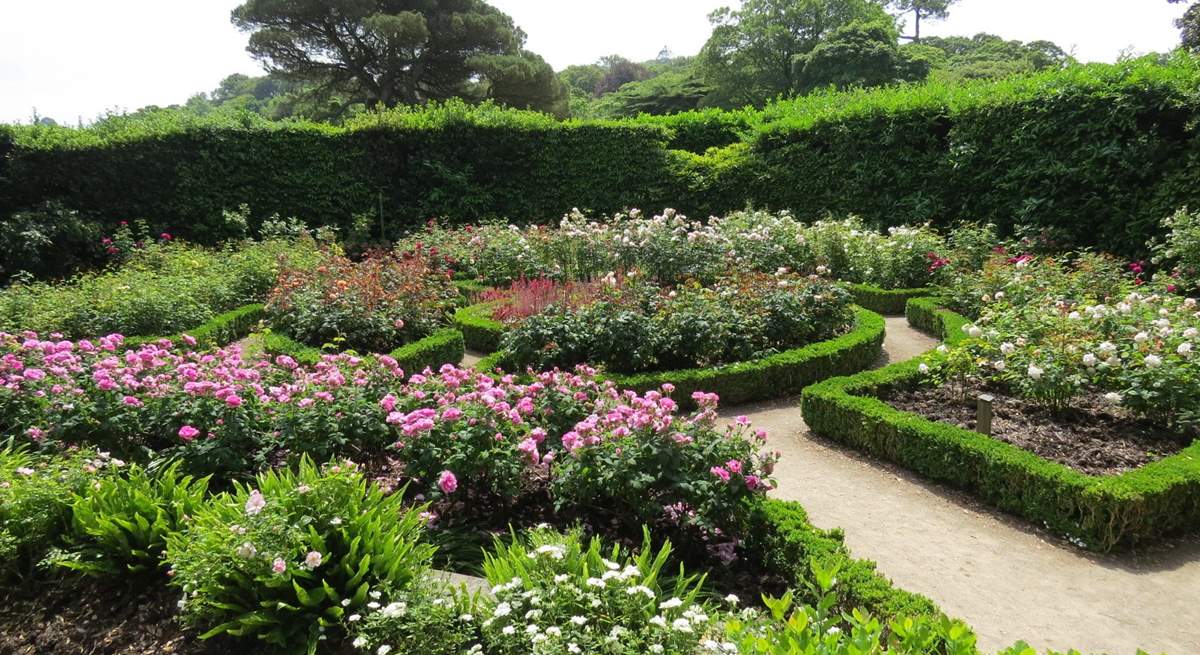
(291, 557)
(164, 288)
(628, 325)
(426, 619)
(455, 433)
(1051, 342)
(375, 305)
(35, 492)
(1013, 280)
(1180, 249)
(553, 595)
(671, 249)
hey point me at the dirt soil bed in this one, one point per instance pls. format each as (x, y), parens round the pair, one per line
(75, 617)
(1092, 436)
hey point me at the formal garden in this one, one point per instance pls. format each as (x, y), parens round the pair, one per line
(429, 381)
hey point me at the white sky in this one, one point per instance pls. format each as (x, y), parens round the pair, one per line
(75, 59)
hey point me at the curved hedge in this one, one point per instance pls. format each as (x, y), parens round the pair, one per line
(1155, 501)
(775, 376)
(481, 332)
(890, 302)
(217, 331)
(443, 346)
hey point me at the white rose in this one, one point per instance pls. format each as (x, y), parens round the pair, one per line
(1007, 348)
(1035, 372)
(1141, 337)
(1153, 361)
(1113, 397)
(1089, 360)
(1184, 349)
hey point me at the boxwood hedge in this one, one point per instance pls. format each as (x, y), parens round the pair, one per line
(443, 346)
(890, 302)
(1158, 500)
(217, 331)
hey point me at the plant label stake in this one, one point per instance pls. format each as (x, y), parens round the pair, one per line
(983, 414)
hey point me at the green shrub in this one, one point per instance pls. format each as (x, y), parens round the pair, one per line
(288, 558)
(49, 240)
(163, 289)
(424, 620)
(555, 582)
(35, 497)
(375, 305)
(120, 523)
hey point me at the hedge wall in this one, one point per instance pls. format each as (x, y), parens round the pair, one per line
(449, 161)
(890, 302)
(1155, 501)
(1099, 152)
(481, 332)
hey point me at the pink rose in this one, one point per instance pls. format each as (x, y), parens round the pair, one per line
(720, 472)
(279, 566)
(233, 400)
(447, 482)
(187, 433)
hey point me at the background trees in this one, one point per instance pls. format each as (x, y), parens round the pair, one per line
(390, 52)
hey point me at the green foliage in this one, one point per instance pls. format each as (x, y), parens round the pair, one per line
(776, 376)
(35, 497)
(1098, 151)
(287, 559)
(1180, 249)
(1102, 513)
(563, 582)
(120, 523)
(890, 302)
(987, 56)
(443, 346)
(46, 241)
(820, 630)
(858, 55)
(390, 53)
(161, 289)
(480, 331)
(424, 620)
(749, 58)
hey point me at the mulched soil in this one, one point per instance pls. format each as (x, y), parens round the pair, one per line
(85, 616)
(1092, 436)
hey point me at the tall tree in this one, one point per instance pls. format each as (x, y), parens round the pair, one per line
(1189, 26)
(859, 55)
(393, 52)
(922, 10)
(749, 57)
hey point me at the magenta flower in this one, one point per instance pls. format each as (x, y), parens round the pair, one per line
(187, 433)
(720, 472)
(233, 400)
(734, 466)
(447, 482)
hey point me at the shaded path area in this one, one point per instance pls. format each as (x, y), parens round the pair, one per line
(1005, 578)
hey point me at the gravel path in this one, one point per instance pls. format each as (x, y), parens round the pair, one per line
(1007, 579)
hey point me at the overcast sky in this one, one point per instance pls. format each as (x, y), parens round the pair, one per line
(75, 59)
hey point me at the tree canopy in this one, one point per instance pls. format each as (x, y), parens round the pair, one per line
(859, 55)
(922, 10)
(750, 57)
(394, 52)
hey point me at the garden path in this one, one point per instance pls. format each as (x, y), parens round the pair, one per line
(1004, 577)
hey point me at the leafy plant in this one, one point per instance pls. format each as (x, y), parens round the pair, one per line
(289, 558)
(120, 523)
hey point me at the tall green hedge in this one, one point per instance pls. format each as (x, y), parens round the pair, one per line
(1100, 152)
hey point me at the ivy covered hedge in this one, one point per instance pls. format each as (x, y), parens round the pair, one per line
(1158, 500)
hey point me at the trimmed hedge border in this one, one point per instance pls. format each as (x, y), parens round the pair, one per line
(443, 346)
(480, 331)
(217, 331)
(1104, 513)
(778, 375)
(782, 539)
(890, 302)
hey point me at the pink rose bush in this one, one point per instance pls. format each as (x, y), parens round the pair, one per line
(453, 434)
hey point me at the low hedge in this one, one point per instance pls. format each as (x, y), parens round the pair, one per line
(884, 301)
(930, 315)
(782, 539)
(444, 346)
(217, 331)
(775, 376)
(480, 331)
(1101, 512)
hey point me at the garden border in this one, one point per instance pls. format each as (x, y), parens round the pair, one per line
(443, 346)
(891, 302)
(217, 331)
(774, 376)
(1104, 513)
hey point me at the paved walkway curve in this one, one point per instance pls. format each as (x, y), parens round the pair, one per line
(1008, 580)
